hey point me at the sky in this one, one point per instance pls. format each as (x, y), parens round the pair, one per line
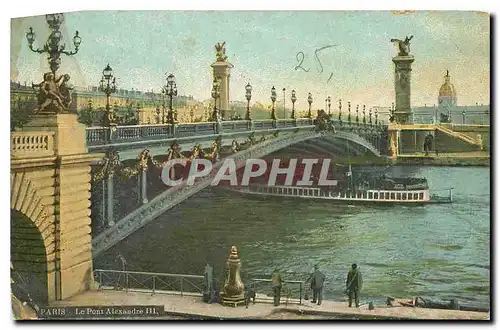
(263, 46)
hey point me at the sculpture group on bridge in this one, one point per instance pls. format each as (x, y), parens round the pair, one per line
(54, 95)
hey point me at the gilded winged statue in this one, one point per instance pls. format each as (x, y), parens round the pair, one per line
(403, 45)
(220, 52)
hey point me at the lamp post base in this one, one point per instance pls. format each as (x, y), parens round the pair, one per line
(233, 300)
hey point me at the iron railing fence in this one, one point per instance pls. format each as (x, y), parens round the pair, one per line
(184, 284)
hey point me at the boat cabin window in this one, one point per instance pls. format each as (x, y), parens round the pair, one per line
(370, 195)
(404, 196)
(410, 195)
(359, 194)
(398, 196)
(375, 195)
(393, 196)
(421, 196)
(386, 195)
(364, 194)
(415, 196)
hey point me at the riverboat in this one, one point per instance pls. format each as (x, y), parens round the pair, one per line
(383, 190)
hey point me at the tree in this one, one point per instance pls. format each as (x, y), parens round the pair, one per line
(85, 116)
(20, 113)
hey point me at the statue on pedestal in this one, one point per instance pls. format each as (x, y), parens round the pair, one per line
(53, 94)
(220, 52)
(403, 45)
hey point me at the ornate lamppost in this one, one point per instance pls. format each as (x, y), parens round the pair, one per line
(364, 115)
(294, 98)
(284, 113)
(108, 87)
(310, 101)
(357, 114)
(138, 112)
(370, 116)
(349, 110)
(463, 116)
(52, 46)
(215, 96)
(329, 100)
(170, 90)
(376, 117)
(340, 112)
(53, 94)
(248, 95)
(273, 99)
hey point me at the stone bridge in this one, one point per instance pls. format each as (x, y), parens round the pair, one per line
(239, 140)
(55, 164)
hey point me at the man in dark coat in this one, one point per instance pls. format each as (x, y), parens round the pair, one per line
(354, 283)
(276, 283)
(317, 280)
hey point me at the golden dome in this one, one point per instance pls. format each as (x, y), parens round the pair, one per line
(447, 89)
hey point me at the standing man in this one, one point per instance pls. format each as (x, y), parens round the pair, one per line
(317, 280)
(353, 284)
(276, 283)
(208, 274)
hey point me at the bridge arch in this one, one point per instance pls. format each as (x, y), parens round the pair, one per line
(32, 240)
(176, 195)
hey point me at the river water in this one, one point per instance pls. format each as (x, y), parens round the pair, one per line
(437, 251)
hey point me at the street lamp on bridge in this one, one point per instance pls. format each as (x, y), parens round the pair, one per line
(284, 114)
(248, 95)
(294, 98)
(215, 96)
(108, 86)
(310, 101)
(463, 116)
(364, 115)
(273, 99)
(329, 100)
(340, 112)
(357, 113)
(349, 110)
(52, 46)
(376, 117)
(170, 90)
(370, 116)
(138, 112)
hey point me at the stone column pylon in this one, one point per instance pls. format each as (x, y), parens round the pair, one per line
(402, 87)
(221, 72)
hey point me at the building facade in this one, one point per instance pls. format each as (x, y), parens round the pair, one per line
(142, 107)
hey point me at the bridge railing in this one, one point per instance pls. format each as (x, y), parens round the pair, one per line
(134, 281)
(183, 284)
(31, 144)
(291, 292)
(104, 135)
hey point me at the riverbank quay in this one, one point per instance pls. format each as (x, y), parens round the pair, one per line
(191, 307)
(476, 158)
